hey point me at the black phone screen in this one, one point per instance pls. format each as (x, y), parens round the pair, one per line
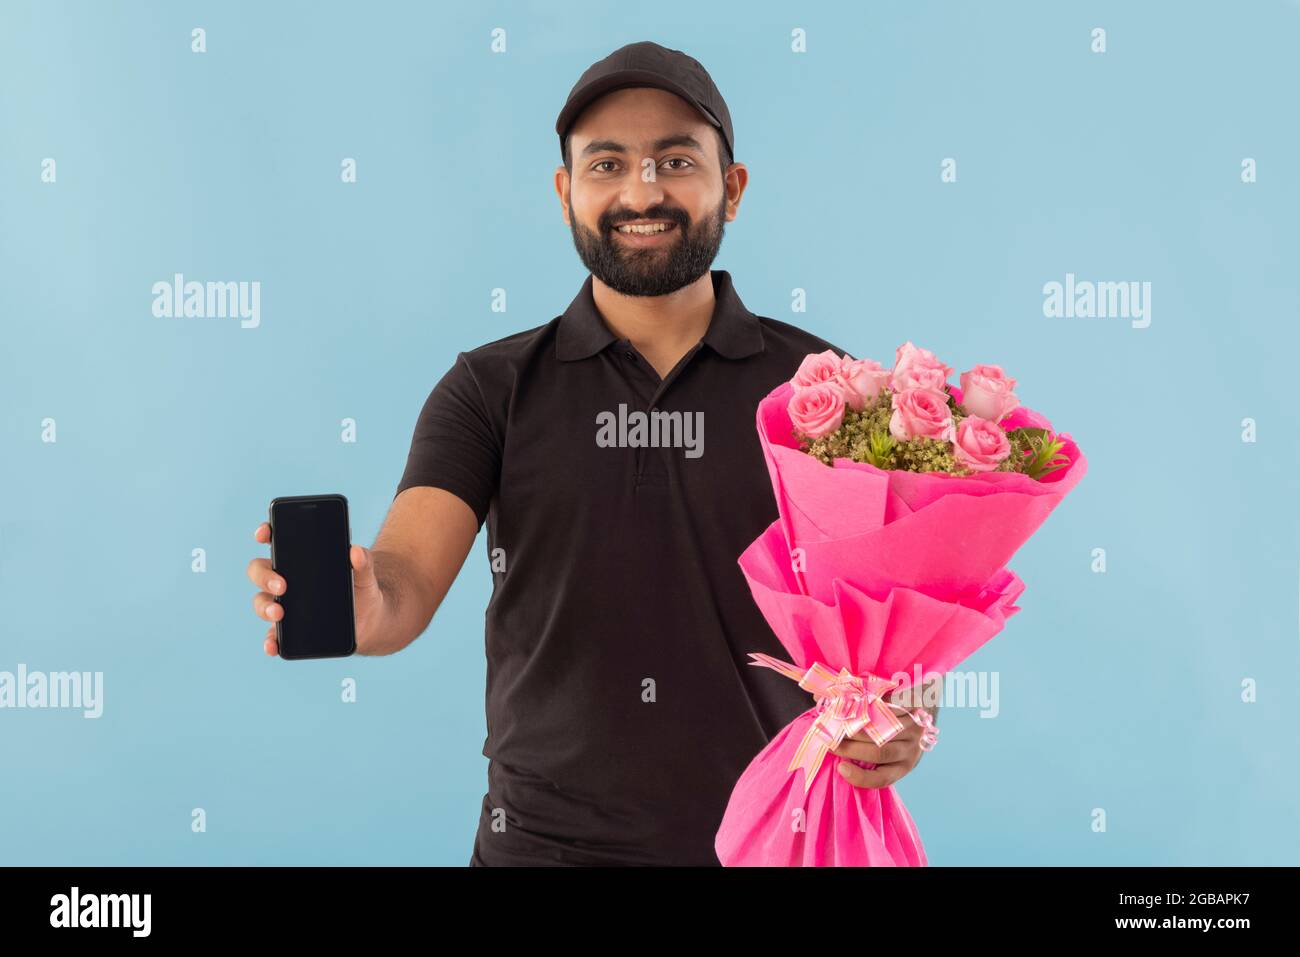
(310, 540)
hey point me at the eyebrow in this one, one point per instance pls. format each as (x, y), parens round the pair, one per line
(666, 142)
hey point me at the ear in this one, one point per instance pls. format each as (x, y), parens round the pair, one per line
(562, 185)
(734, 184)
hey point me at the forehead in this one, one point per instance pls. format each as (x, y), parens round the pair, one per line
(638, 117)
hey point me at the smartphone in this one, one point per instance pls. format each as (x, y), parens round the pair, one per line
(310, 541)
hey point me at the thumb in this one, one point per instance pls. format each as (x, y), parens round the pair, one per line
(363, 567)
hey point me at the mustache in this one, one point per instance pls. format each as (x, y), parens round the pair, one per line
(675, 215)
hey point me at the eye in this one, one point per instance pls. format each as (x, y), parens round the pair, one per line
(597, 166)
(680, 159)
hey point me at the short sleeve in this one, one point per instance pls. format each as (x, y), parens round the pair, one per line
(455, 446)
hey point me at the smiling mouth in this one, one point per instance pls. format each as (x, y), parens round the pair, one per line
(644, 229)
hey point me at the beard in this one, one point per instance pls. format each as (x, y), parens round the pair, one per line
(651, 271)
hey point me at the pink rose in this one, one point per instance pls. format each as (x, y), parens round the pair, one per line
(986, 392)
(817, 368)
(817, 410)
(980, 444)
(862, 381)
(921, 413)
(916, 368)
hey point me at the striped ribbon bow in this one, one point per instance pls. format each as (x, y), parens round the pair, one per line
(846, 703)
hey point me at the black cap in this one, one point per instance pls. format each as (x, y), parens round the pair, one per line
(649, 64)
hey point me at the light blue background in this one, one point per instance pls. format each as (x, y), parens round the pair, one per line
(1119, 691)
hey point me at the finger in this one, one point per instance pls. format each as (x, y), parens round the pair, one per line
(265, 606)
(896, 750)
(910, 730)
(909, 697)
(880, 777)
(271, 646)
(858, 750)
(900, 747)
(363, 567)
(263, 532)
(261, 574)
(910, 734)
(923, 696)
(889, 752)
(259, 571)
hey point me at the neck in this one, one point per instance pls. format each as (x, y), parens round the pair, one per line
(662, 328)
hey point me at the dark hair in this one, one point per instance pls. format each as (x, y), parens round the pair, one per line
(724, 154)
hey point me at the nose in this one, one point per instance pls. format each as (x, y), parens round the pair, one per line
(639, 194)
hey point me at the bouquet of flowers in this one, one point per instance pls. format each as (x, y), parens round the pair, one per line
(900, 500)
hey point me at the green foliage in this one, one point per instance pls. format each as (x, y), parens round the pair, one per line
(1043, 454)
(865, 437)
(880, 449)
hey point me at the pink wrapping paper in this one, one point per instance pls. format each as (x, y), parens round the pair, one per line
(899, 570)
(943, 534)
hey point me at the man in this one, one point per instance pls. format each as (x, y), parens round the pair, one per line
(621, 709)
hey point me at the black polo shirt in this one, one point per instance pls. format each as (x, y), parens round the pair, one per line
(621, 708)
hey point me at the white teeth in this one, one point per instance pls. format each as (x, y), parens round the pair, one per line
(644, 230)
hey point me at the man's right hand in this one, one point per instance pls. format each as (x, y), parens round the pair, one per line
(368, 600)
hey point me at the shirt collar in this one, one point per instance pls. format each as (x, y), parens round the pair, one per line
(733, 332)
